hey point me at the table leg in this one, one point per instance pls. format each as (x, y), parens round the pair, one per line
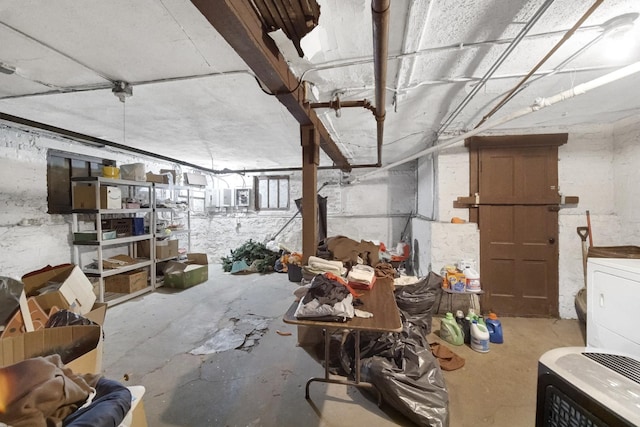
(326, 379)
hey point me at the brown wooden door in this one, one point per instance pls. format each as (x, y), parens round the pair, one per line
(519, 259)
(518, 220)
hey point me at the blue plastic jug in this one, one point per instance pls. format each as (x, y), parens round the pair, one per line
(495, 329)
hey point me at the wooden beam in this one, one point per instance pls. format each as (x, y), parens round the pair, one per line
(310, 160)
(239, 24)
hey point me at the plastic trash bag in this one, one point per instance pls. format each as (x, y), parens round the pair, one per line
(10, 291)
(401, 365)
(67, 318)
(416, 301)
(404, 370)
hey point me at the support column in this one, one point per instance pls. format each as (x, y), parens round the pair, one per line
(310, 160)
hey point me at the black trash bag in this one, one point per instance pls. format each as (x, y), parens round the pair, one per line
(404, 370)
(67, 318)
(416, 301)
(10, 291)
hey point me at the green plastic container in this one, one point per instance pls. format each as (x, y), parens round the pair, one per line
(450, 330)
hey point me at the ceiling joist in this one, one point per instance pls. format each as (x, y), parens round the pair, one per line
(241, 27)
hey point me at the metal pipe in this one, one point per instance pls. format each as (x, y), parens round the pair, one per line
(380, 17)
(337, 104)
(516, 41)
(537, 105)
(91, 140)
(99, 142)
(566, 37)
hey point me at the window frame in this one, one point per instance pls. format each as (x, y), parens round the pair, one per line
(279, 179)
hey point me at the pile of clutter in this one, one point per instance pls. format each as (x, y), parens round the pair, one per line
(51, 344)
(461, 278)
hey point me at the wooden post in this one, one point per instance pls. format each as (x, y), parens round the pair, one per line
(310, 160)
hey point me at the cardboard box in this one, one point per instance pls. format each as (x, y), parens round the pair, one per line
(160, 179)
(127, 283)
(78, 346)
(117, 261)
(173, 172)
(84, 197)
(164, 249)
(182, 275)
(73, 290)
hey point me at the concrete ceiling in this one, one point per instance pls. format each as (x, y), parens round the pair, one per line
(195, 100)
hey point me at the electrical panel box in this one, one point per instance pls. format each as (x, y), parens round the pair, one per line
(224, 198)
(242, 197)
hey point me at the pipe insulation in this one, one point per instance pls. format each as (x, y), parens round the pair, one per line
(538, 104)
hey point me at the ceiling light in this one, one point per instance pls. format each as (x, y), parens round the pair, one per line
(619, 37)
(6, 69)
(122, 90)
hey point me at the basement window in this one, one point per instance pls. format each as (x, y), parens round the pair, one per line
(61, 167)
(272, 192)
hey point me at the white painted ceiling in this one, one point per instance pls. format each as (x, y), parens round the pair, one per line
(194, 99)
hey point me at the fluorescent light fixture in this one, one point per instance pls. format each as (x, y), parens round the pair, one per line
(6, 69)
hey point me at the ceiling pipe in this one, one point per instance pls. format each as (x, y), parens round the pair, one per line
(101, 143)
(380, 17)
(539, 104)
(566, 37)
(516, 41)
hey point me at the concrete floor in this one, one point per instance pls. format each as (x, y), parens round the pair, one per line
(148, 341)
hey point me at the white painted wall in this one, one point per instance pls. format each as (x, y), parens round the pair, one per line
(598, 164)
(30, 238)
(626, 137)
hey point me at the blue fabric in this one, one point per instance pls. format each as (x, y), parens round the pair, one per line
(108, 408)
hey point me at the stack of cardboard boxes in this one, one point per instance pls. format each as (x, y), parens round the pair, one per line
(45, 292)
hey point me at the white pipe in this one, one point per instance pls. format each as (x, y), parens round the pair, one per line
(539, 104)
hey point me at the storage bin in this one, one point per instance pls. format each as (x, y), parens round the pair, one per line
(294, 272)
(125, 226)
(133, 172)
(87, 236)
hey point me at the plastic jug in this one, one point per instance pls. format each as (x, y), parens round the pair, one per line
(450, 331)
(479, 337)
(462, 323)
(495, 329)
(472, 279)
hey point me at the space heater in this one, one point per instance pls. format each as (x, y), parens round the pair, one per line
(587, 387)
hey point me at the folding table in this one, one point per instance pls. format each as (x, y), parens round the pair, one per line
(380, 301)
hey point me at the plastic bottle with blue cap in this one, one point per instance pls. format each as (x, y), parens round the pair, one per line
(494, 326)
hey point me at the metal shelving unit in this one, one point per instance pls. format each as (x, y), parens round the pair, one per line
(176, 195)
(99, 245)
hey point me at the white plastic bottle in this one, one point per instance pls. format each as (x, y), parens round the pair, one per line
(479, 337)
(472, 278)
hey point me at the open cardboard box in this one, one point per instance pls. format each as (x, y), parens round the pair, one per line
(74, 291)
(80, 347)
(183, 275)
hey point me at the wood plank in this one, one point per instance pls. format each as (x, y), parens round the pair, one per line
(239, 24)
